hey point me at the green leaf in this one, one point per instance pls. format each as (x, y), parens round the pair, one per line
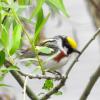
(16, 37)
(48, 84)
(4, 70)
(44, 49)
(4, 5)
(40, 18)
(38, 8)
(1, 77)
(11, 68)
(2, 85)
(52, 7)
(1, 45)
(2, 57)
(59, 5)
(21, 2)
(24, 2)
(8, 22)
(58, 93)
(6, 1)
(0, 16)
(14, 68)
(40, 27)
(4, 37)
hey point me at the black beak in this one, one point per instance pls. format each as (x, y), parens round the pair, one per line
(77, 51)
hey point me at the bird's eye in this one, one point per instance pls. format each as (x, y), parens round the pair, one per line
(71, 42)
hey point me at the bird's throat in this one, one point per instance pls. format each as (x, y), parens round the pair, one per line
(60, 56)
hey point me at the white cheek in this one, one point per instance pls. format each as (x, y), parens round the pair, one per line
(65, 50)
(59, 43)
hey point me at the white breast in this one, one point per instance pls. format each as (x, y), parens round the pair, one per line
(54, 65)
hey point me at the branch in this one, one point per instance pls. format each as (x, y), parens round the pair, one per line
(95, 5)
(19, 79)
(62, 82)
(24, 89)
(90, 84)
(39, 77)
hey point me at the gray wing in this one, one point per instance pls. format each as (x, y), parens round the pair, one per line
(50, 43)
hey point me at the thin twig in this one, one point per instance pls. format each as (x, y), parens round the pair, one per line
(90, 84)
(40, 77)
(24, 89)
(62, 82)
(95, 5)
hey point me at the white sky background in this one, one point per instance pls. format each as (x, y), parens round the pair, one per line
(80, 22)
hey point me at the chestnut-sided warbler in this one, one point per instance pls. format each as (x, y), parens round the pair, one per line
(61, 48)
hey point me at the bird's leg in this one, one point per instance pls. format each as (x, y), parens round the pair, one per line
(55, 73)
(58, 73)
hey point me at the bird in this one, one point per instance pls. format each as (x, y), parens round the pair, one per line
(61, 47)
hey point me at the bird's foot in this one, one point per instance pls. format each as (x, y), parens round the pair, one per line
(56, 73)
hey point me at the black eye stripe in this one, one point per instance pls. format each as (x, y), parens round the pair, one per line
(67, 45)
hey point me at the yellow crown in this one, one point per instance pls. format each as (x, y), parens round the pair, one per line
(72, 42)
